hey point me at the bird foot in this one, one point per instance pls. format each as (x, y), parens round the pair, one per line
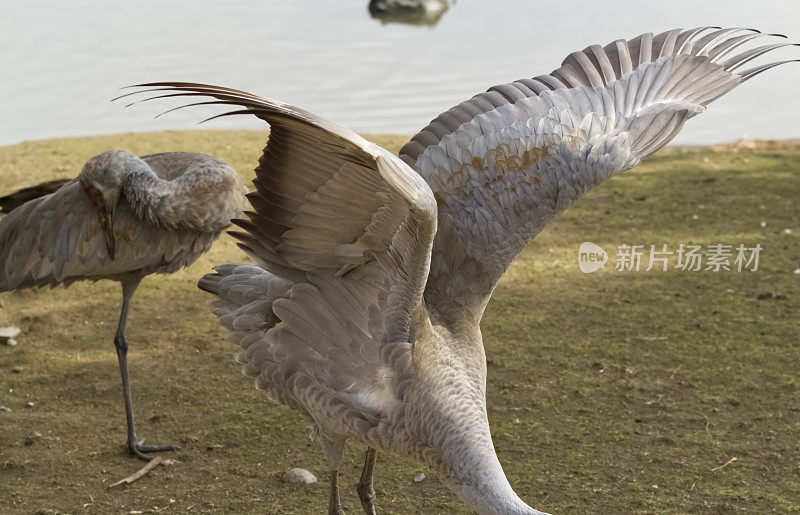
(140, 450)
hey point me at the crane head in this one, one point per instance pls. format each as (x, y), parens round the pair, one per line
(102, 180)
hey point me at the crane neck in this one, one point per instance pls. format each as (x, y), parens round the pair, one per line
(483, 485)
(149, 195)
(204, 199)
(450, 392)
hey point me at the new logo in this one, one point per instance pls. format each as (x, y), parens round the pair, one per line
(591, 257)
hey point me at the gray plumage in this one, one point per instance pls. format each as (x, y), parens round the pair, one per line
(124, 217)
(341, 320)
(13, 200)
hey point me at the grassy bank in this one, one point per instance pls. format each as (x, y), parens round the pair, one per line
(608, 392)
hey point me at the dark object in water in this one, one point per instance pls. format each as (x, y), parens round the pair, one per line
(412, 12)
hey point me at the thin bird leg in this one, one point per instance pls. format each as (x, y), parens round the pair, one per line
(333, 451)
(134, 447)
(335, 505)
(365, 491)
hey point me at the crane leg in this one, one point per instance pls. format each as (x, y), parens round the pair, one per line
(333, 451)
(365, 491)
(137, 448)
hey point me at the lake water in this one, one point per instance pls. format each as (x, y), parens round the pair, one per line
(61, 62)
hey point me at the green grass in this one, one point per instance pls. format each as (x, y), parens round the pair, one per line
(611, 392)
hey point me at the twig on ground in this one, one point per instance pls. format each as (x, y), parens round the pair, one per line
(142, 471)
(724, 464)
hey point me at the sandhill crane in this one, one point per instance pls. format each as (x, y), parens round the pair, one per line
(358, 317)
(22, 195)
(124, 217)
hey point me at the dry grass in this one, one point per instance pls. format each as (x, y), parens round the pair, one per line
(611, 392)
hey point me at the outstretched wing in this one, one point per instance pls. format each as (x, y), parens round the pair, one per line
(349, 227)
(506, 162)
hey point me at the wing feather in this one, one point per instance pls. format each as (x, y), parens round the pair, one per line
(58, 238)
(533, 146)
(342, 231)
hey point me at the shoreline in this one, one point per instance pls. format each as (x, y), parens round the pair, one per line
(741, 144)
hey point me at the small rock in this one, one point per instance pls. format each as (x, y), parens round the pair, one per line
(419, 478)
(29, 404)
(3, 408)
(7, 335)
(17, 370)
(763, 224)
(297, 475)
(9, 332)
(787, 231)
(797, 271)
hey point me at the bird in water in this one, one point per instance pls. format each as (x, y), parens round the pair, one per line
(372, 272)
(124, 217)
(412, 12)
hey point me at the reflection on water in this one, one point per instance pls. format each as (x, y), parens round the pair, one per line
(61, 62)
(412, 12)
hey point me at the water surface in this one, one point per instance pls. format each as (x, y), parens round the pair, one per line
(62, 62)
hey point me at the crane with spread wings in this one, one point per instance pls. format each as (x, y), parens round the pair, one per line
(363, 308)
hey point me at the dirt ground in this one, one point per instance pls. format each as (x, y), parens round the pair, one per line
(610, 392)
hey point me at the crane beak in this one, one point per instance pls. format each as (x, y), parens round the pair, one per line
(108, 229)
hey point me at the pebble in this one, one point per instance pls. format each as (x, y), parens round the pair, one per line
(419, 478)
(7, 335)
(29, 404)
(297, 475)
(3, 408)
(17, 370)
